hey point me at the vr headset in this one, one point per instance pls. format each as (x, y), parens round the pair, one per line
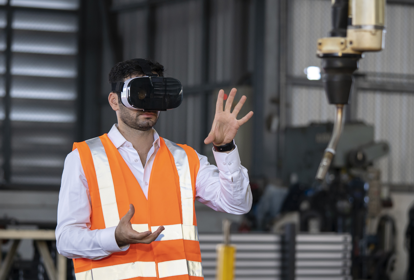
(149, 92)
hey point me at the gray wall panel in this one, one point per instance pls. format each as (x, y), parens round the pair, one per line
(47, 4)
(391, 115)
(132, 29)
(44, 21)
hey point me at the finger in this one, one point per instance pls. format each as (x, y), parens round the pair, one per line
(128, 216)
(230, 99)
(153, 235)
(210, 138)
(239, 106)
(245, 118)
(219, 104)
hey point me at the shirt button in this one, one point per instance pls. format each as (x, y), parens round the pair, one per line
(229, 163)
(136, 160)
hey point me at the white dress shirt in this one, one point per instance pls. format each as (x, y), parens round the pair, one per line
(224, 188)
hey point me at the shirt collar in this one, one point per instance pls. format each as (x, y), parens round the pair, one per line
(118, 139)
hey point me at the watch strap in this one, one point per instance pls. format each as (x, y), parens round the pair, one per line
(225, 148)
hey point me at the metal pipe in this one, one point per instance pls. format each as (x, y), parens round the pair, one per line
(226, 231)
(330, 150)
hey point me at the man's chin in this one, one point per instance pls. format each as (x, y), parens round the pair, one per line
(146, 124)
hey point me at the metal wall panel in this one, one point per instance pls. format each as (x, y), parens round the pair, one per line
(132, 28)
(55, 4)
(221, 40)
(42, 88)
(308, 20)
(43, 69)
(309, 105)
(44, 21)
(391, 115)
(44, 42)
(40, 65)
(178, 48)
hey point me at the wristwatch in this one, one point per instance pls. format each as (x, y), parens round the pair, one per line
(225, 148)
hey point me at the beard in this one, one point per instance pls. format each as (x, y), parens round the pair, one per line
(132, 119)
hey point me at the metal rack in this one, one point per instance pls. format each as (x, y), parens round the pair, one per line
(271, 256)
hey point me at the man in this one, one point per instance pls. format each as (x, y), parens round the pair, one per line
(126, 204)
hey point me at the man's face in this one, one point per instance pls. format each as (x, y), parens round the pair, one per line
(139, 120)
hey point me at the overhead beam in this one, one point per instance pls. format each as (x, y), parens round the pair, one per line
(361, 84)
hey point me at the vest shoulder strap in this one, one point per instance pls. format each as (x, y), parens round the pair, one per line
(98, 163)
(186, 177)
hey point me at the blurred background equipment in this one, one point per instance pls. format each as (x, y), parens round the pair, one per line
(290, 255)
(58, 271)
(356, 148)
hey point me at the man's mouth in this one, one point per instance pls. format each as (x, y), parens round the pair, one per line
(148, 113)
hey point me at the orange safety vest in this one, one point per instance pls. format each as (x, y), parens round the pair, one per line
(175, 254)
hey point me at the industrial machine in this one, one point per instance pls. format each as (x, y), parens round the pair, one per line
(355, 149)
(357, 27)
(349, 200)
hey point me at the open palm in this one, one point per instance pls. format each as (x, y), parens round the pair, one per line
(226, 124)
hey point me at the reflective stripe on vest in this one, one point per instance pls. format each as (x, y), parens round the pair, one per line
(179, 267)
(120, 271)
(105, 182)
(186, 231)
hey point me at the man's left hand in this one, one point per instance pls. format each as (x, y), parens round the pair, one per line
(226, 124)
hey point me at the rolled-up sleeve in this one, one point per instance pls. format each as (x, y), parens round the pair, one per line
(224, 187)
(74, 238)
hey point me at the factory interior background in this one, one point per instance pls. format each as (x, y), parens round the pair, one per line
(55, 57)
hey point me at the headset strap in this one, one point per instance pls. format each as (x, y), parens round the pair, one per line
(146, 68)
(117, 87)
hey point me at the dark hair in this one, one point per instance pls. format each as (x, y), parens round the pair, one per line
(130, 67)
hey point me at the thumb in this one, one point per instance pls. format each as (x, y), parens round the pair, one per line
(128, 216)
(209, 139)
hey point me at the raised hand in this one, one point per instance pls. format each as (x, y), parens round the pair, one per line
(226, 124)
(125, 235)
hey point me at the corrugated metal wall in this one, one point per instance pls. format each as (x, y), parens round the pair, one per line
(178, 38)
(41, 66)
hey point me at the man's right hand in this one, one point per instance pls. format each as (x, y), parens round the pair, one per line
(125, 235)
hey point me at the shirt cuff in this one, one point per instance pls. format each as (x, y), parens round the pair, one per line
(107, 240)
(228, 162)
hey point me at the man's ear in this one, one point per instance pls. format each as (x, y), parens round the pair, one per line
(113, 101)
